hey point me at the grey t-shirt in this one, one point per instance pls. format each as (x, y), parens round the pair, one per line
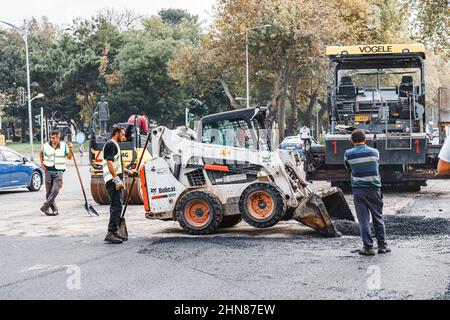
(445, 151)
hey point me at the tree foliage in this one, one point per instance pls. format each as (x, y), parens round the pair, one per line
(430, 23)
(118, 54)
(159, 65)
(287, 41)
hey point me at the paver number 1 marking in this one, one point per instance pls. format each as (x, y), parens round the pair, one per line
(334, 143)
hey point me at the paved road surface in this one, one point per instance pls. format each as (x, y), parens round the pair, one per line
(43, 256)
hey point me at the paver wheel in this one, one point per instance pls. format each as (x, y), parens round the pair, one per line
(262, 205)
(199, 212)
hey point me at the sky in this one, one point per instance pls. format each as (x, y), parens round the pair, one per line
(64, 11)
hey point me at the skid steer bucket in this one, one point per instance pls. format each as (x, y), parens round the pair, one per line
(313, 213)
(336, 204)
(316, 210)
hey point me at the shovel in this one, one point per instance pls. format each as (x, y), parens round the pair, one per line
(123, 232)
(89, 208)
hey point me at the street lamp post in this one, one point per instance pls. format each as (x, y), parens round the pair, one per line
(39, 96)
(24, 35)
(247, 60)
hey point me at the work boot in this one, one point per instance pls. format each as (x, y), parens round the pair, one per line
(111, 237)
(367, 251)
(45, 209)
(54, 209)
(121, 237)
(384, 249)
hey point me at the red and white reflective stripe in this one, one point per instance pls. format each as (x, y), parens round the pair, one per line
(214, 167)
(160, 197)
(145, 190)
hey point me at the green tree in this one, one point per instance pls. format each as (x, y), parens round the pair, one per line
(75, 69)
(429, 22)
(283, 55)
(41, 34)
(145, 85)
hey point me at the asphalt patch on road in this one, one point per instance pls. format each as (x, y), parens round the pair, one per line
(347, 228)
(445, 296)
(185, 248)
(396, 225)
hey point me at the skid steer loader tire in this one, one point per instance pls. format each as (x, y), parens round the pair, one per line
(262, 205)
(199, 213)
(289, 214)
(230, 221)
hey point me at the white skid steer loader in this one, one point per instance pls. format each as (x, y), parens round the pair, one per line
(228, 171)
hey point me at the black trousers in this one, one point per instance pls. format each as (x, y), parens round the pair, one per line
(115, 209)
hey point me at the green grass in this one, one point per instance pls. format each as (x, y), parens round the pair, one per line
(23, 148)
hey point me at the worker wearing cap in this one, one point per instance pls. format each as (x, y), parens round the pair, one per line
(444, 159)
(53, 161)
(113, 171)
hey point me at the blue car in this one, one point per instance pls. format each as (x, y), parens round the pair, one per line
(18, 172)
(294, 144)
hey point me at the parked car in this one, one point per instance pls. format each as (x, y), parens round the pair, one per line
(296, 144)
(16, 171)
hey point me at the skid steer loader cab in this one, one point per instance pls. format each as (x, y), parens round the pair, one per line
(245, 128)
(229, 171)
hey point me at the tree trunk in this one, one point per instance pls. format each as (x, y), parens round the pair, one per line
(274, 103)
(307, 115)
(323, 110)
(292, 121)
(88, 103)
(312, 102)
(234, 104)
(299, 117)
(282, 115)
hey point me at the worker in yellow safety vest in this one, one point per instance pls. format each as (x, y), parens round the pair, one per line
(53, 160)
(113, 171)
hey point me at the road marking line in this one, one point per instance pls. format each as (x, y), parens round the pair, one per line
(41, 268)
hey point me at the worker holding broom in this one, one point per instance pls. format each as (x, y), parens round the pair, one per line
(53, 161)
(113, 171)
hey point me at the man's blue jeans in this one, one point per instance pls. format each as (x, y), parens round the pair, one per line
(369, 202)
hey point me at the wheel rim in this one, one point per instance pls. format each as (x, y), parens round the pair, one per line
(260, 205)
(36, 181)
(197, 213)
